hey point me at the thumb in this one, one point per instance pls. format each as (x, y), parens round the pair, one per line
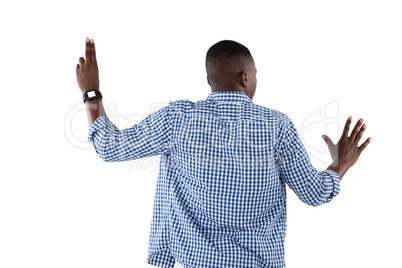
(327, 140)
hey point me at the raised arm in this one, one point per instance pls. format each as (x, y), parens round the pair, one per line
(88, 79)
(313, 187)
(150, 137)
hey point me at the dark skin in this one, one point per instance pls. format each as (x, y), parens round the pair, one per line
(344, 153)
(88, 79)
(243, 79)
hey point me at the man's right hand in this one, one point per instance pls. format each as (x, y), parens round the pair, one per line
(346, 152)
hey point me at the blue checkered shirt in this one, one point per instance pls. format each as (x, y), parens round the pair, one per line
(220, 197)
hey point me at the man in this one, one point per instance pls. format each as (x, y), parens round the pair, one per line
(225, 162)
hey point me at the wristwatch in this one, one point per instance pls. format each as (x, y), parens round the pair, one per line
(91, 95)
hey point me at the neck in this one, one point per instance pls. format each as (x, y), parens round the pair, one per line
(216, 88)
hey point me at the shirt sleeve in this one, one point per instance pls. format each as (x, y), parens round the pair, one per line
(311, 187)
(150, 137)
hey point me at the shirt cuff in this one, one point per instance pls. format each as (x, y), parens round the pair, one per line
(100, 125)
(162, 259)
(336, 182)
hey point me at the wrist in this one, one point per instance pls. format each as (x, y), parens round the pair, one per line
(339, 168)
(91, 94)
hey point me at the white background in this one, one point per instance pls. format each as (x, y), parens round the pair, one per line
(62, 206)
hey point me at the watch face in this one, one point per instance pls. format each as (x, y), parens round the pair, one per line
(91, 94)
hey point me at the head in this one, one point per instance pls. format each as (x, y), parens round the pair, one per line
(230, 67)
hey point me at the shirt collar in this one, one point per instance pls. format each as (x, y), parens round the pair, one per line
(230, 96)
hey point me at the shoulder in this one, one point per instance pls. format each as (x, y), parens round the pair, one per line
(272, 115)
(186, 106)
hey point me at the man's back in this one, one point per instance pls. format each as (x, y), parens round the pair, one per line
(221, 194)
(224, 151)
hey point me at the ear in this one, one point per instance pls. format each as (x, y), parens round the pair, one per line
(208, 80)
(244, 79)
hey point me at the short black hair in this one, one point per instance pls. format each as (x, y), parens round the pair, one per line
(226, 57)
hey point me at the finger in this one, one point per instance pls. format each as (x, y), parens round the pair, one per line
(93, 53)
(77, 69)
(363, 146)
(87, 50)
(360, 133)
(81, 61)
(356, 129)
(328, 140)
(346, 128)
